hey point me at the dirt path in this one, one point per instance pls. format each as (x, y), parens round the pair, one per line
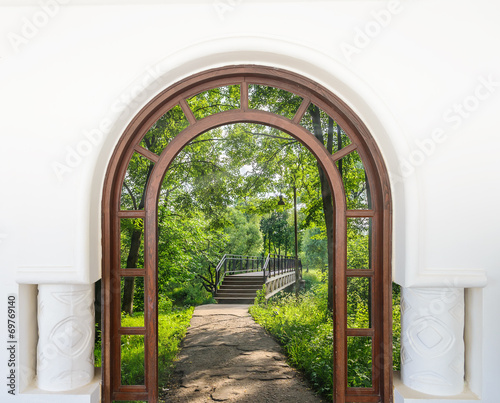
(227, 357)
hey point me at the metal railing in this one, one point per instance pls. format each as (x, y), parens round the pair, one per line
(271, 265)
(236, 264)
(278, 264)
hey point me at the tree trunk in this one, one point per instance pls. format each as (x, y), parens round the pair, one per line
(326, 195)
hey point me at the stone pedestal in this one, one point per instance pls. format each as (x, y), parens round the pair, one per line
(66, 328)
(432, 340)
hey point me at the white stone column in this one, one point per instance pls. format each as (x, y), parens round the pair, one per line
(432, 340)
(66, 326)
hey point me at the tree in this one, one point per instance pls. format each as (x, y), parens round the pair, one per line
(244, 236)
(314, 249)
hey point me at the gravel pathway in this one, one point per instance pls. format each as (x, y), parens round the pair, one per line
(227, 357)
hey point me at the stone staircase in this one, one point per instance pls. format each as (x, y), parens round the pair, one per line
(239, 289)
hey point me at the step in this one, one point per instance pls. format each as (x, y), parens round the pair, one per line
(234, 300)
(239, 289)
(236, 294)
(242, 281)
(241, 286)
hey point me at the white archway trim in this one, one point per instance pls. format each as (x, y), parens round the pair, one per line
(279, 53)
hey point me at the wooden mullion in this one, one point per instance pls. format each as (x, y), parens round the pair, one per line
(360, 213)
(131, 214)
(147, 154)
(132, 331)
(343, 152)
(244, 96)
(360, 273)
(355, 332)
(132, 272)
(187, 111)
(361, 395)
(301, 111)
(131, 392)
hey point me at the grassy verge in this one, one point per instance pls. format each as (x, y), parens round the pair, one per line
(304, 328)
(171, 330)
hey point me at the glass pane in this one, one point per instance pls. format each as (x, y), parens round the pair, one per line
(132, 296)
(359, 362)
(357, 192)
(134, 183)
(214, 101)
(359, 295)
(132, 243)
(132, 359)
(359, 235)
(273, 100)
(164, 130)
(325, 129)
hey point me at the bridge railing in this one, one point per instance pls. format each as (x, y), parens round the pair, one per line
(280, 272)
(278, 264)
(237, 264)
(271, 266)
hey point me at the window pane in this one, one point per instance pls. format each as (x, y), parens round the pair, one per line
(273, 100)
(134, 183)
(359, 235)
(359, 302)
(132, 243)
(132, 293)
(132, 359)
(164, 130)
(359, 362)
(356, 187)
(325, 128)
(214, 101)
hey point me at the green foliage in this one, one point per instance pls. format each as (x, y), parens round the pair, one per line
(244, 236)
(396, 327)
(172, 328)
(279, 231)
(314, 249)
(305, 329)
(260, 297)
(312, 278)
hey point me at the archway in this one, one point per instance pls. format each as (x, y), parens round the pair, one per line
(377, 212)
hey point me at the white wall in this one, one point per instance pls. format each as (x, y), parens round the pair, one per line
(78, 72)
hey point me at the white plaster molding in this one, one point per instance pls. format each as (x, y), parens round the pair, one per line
(432, 342)
(458, 278)
(403, 394)
(65, 355)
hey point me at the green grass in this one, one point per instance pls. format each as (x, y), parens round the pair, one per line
(304, 328)
(171, 330)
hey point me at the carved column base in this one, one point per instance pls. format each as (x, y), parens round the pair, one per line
(432, 341)
(66, 325)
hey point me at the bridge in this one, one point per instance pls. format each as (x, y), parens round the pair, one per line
(238, 278)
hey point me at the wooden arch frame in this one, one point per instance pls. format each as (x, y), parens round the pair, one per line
(380, 212)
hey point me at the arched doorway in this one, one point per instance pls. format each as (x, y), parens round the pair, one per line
(375, 217)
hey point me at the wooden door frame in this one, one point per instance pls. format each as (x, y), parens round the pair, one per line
(381, 212)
